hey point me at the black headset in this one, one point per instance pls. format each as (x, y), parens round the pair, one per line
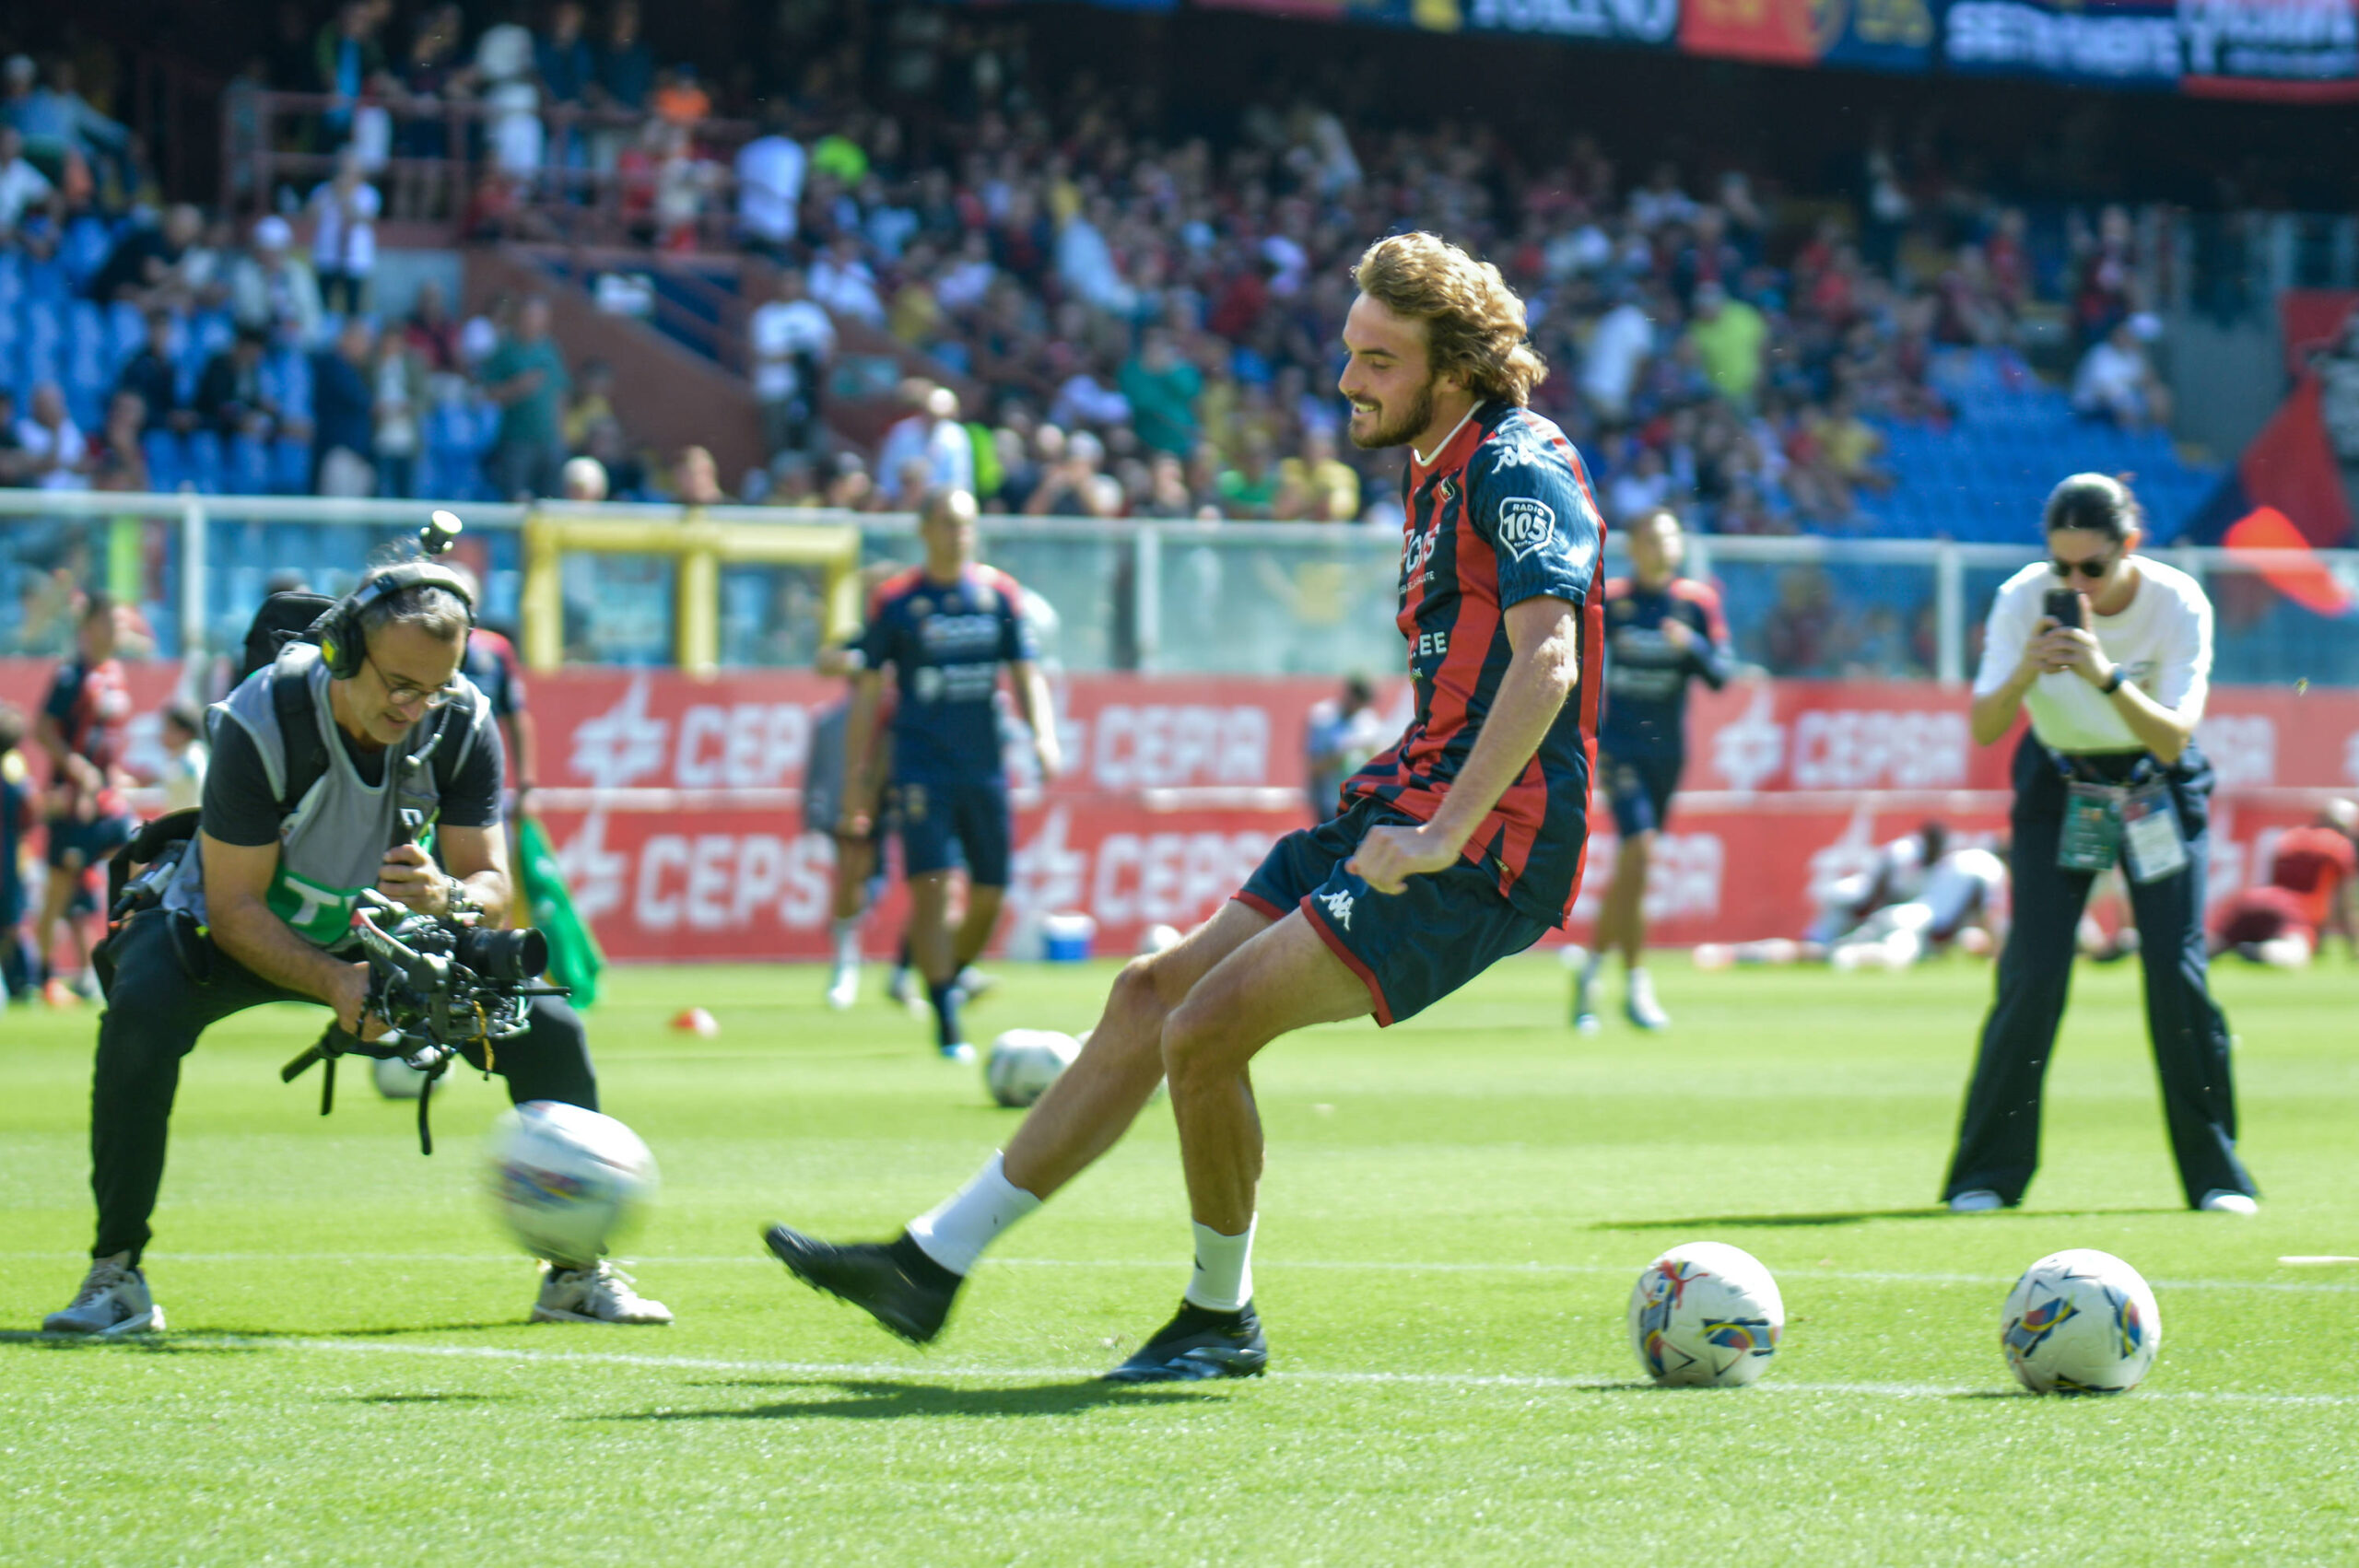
(343, 643)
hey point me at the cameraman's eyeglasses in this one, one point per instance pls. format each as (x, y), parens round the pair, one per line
(400, 694)
(2093, 571)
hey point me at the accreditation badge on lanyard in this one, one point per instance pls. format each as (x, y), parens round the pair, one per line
(2092, 837)
(2152, 841)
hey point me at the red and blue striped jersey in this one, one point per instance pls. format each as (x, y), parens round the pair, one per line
(1646, 675)
(1503, 513)
(947, 642)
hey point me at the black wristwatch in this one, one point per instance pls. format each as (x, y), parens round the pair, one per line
(2112, 683)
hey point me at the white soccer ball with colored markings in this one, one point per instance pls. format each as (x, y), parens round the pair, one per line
(1706, 1315)
(1022, 1063)
(568, 1182)
(2081, 1322)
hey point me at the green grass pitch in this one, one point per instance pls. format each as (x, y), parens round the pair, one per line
(1453, 1215)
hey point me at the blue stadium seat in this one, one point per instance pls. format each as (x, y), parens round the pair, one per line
(245, 467)
(204, 465)
(46, 284)
(86, 244)
(126, 333)
(167, 460)
(290, 467)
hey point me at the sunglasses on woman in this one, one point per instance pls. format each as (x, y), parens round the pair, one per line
(2093, 571)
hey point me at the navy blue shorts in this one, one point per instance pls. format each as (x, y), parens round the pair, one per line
(1640, 788)
(942, 822)
(88, 843)
(1411, 948)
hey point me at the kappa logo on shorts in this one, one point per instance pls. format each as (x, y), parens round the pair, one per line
(1339, 907)
(1525, 525)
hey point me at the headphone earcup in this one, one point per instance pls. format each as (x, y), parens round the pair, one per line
(339, 648)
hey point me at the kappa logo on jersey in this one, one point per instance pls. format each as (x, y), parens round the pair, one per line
(1525, 525)
(1339, 908)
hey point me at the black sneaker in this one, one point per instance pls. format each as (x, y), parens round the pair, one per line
(1197, 1345)
(895, 1283)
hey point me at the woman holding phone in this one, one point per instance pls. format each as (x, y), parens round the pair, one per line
(2111, 651)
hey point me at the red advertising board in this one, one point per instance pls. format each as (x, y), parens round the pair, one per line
(676, 804)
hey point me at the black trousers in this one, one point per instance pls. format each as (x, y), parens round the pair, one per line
(155, 1013)
(1998, 1140)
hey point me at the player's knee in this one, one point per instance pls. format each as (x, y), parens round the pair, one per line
(1142, 995)
(1193, 1042)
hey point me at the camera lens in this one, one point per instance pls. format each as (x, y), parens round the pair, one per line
(504, 958)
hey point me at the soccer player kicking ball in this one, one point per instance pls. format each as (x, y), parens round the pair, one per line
(1457, 847)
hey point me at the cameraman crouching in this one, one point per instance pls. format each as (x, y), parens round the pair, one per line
(274, 871)
(2112, 653)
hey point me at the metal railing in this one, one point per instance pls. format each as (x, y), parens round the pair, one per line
(1154, 597)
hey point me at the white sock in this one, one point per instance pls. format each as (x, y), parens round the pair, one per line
(848, 938)
(955, 1232)
(1593, 968)
(1224, 1278)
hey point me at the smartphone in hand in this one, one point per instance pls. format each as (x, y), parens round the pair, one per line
(2062, 606)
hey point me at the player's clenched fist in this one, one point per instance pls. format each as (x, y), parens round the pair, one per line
(1390, 856)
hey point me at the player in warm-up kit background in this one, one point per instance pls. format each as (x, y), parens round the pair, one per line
(2312, 892)
(1661, 632)
(945, 628)
(1462, 843)
(83, 728)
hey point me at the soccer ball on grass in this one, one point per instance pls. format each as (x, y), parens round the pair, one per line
(567, 1182)
(2080, 1322)
(1706, 1314)
(1022, 1063)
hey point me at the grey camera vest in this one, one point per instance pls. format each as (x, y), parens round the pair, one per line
(331, 843)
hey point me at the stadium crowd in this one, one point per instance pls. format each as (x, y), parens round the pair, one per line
(1144, 326)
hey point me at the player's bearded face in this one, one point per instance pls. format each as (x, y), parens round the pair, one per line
(1392, 421)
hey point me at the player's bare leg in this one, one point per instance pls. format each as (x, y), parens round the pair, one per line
(934, 946)
(1093, 1102)
(855, 860)
(57, 897)
(1625, 910)
(971, 935)
(1284, 980)
(908, 1284)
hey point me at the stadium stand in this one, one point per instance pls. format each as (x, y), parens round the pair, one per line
(1769, 360)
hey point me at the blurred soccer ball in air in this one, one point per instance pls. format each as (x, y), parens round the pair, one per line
(1023, 1063)
(569, 1184)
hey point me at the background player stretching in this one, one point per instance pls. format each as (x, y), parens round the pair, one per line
(945, 628)
(1461, 845)
(83, 728)
(1661, 631)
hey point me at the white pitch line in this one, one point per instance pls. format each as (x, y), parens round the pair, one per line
(753, 1257)
(865, 1371)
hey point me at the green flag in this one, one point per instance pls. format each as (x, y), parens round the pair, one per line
(575, 958)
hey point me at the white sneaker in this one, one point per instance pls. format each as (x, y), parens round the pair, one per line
(843, 987)
(1981, 1200)
(1640, 1007)
(1585, 1019)
(114, 1300)
(599, 1294)
(973, 985)
(2219, 1200)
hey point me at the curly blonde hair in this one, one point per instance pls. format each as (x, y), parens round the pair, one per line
(1474, 325)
